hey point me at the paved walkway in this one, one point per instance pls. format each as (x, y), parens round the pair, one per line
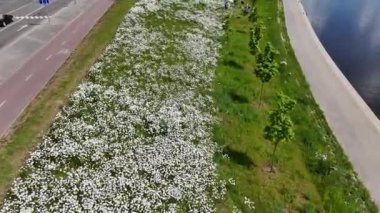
(353, 123)
(25, 83)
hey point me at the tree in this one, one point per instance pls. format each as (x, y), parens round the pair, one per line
(253, 16)
(280, 125)
(226, 25)
(254, 41)
(284, 103)
(266, 66)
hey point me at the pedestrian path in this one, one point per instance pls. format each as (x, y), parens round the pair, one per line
(351, 120)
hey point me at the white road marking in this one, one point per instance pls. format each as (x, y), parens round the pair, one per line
(63, 42)
(28, 77)
(64, 52)
(12, 11)
(22, 27)
(3, 29)
(48, 58)
(2, 103)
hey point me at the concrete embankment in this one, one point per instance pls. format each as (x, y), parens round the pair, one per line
(355, 126)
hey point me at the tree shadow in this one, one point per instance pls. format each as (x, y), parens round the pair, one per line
(238, 157)
(237, 97)
(241, 31)
(233, 64)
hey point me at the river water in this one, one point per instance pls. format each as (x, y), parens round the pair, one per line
(350, 32)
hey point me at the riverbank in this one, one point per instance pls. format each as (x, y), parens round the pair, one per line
(355, 126)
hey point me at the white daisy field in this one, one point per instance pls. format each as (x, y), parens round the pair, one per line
(137, 134)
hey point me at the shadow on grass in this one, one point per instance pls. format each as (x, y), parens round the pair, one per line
(241, 31)
(237, 97)
(232, 63)
(238, 157)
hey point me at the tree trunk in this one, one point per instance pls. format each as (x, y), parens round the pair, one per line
(261, 93)
(273, 154)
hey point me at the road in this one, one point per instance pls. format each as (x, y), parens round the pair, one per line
(353, 123)
(25, 8)
(11, 5)
(25, 84)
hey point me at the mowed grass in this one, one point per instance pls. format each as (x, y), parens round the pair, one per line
(38, 116)
(304, 182)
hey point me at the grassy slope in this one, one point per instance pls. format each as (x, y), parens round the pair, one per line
(304, 182)
(39, 115)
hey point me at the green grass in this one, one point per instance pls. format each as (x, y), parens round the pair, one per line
(38, 116)
(303, 181)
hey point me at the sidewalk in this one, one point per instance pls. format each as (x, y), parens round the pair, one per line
(353, 123)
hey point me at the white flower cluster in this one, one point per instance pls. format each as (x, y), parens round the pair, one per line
(249, 203)
(137, 135)
(236, 210)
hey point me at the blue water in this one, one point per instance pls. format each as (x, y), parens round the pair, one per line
(350, 32)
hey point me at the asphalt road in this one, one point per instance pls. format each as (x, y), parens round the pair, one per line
(25, 8)
(7, 6)
(353, 123)
(23, 86)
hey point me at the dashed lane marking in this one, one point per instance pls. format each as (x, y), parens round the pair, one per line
(31, 17)
(22, 19)
(28, 77)
(48, 58)
(64, 52)
(2, 103)
(22, 27)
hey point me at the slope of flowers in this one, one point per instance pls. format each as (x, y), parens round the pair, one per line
(136, 135)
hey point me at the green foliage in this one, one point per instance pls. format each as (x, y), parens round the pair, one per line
(284, 103)
(279, 128)
(280, 125)
(226, 23)
(255, 37)
(266, 66)
(253, 16)
(314, 184)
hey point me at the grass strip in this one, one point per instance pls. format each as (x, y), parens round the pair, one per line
(313, 173)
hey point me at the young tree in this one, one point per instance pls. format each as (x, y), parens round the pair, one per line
(253, 16)
(285, 104)
(266, 66)
(255, 36)
(280, 125)
(226, 25)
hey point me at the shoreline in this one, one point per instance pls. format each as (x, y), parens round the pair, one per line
(353, 123)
